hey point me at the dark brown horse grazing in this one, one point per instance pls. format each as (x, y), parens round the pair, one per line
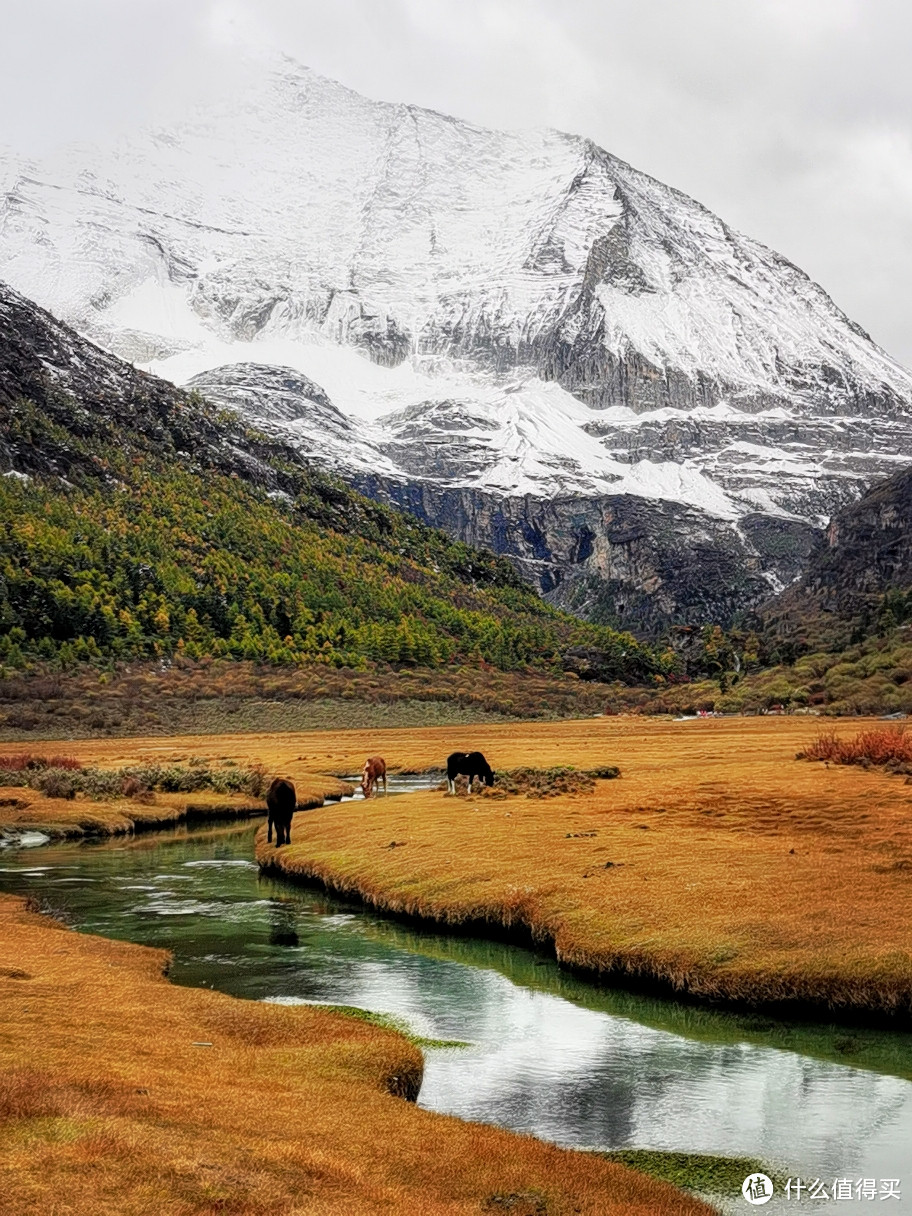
(468, 764)
(281, 800)
(374, 771)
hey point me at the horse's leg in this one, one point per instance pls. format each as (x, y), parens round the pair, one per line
(269, 831)
(451, 784)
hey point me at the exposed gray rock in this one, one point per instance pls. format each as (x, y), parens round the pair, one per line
(625, 560)
(271, 394)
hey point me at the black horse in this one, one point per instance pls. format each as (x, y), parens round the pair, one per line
(468, 764)
(281, 800)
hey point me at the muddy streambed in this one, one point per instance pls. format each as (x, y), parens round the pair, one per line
(546, 1053)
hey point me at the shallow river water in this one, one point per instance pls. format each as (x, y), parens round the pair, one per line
(547, 1053)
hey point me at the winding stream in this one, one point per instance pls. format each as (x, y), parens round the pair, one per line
(548, 1054)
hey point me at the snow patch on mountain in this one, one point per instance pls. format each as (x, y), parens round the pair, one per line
(508, 438)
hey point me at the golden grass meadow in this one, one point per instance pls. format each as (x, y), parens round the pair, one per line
(124, 1095)
(717, 866)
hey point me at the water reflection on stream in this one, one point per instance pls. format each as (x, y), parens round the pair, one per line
(548, 1054)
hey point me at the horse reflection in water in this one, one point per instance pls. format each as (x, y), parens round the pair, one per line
(282, 923)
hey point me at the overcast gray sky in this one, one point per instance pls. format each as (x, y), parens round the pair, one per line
(792, 119)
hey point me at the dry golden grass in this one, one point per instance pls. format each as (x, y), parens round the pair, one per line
(111, 1106)
(23, 808)
(717, 865)
(283, 754)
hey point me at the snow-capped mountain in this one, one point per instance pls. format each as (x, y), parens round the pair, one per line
(482, 326)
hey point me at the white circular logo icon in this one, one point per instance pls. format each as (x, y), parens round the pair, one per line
(757, 1189)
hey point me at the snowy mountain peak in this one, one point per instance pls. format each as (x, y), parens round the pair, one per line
(513, 313)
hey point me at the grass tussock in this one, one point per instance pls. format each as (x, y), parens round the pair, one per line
(562, 779)
(716, 869)
(106, 1099)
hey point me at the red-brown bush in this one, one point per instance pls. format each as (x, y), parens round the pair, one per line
(883, 746)
(22, 762)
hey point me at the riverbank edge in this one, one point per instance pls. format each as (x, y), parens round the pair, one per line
(136, 821)
(395, 1071)
(402, 1079)
(521, 932)
(12, 833)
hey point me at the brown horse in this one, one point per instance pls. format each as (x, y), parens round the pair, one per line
(372, 774)
(281, 800)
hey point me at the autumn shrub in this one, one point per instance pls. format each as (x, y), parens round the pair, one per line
(55, 782)
(29, 762)
(885, 747)
(133, 788)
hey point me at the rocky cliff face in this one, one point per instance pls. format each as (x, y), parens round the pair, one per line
(474, 316)
(622, 559)
(865, 552)
(868, 545)
(616, 560)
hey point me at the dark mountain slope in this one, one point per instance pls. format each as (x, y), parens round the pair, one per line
(63, 398)
(860, 572)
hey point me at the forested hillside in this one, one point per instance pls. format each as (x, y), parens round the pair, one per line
(162, 561)
(138, 521)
